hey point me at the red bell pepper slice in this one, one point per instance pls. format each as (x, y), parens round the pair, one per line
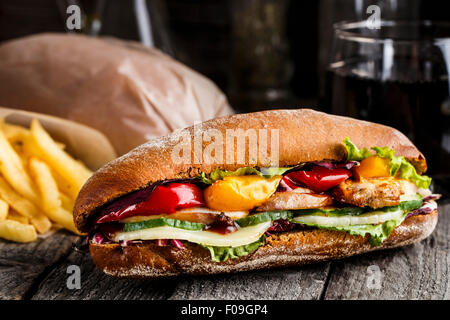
(164, 199)
(318, 179)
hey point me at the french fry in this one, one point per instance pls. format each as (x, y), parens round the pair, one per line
(65, 219)
(24, 157)
(29, 149)
(63, 186)
(16, 231)
(46, 184)
(41, 223)
(50, 194)
(12, 169)
(14, 215)
(39, 182)
(60, 145)
(19, 150)
(71, 170)
(13, 132)
(24, 207)
(4, 206)
(66, 202)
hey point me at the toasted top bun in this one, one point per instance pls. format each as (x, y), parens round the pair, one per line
(304, 135)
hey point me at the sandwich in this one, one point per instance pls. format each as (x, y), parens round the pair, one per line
(256, 191)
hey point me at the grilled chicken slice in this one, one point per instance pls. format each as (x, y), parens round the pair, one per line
(374, 192)
(299, 198)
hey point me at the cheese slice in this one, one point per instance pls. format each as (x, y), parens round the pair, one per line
(238, 238)
(409, 197)
(373, 217)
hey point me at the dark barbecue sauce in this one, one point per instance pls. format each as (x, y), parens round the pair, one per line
(222, 225)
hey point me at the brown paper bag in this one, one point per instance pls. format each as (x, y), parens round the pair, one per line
(128, 92)
(82, 142)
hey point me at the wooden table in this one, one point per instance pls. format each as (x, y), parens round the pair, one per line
(420, 271)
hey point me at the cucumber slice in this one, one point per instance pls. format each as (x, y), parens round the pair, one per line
(374, 217)
(162, 222)
(258, 218)
(410, 205)
(414, 203)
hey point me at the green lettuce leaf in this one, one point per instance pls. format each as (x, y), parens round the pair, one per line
(273, 171)
(378, 233)
(397, 165)
(355, 154)
(408, 172)
(219, 174)
(203, 178)
(219, 254)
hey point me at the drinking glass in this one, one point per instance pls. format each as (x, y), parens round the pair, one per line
(396, 75)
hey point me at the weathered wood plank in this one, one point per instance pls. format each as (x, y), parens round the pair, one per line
(96, 285)
(419, 271)
(22, 264)
(291, 283)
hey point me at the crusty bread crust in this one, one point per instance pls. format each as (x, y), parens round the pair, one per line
(281, 250)
(304, 135)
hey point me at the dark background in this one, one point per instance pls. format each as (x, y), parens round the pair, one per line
(200, 34)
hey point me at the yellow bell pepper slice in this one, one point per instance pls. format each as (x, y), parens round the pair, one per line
(235, 193)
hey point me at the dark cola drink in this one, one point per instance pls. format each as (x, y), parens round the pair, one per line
(397, 74)
(420, 109)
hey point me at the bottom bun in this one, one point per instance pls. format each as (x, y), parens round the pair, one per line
(280, 250)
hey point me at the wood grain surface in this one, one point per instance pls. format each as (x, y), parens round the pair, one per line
(420, 271)
(22, 265)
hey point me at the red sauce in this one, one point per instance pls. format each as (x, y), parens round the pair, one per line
(222, 225)
(167, 198)
(109, 230)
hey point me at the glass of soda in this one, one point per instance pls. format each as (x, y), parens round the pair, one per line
(396, 73)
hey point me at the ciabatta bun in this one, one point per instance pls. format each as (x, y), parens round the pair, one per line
(304, 135)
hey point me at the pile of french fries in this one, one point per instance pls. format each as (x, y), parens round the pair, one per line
(39, 182)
